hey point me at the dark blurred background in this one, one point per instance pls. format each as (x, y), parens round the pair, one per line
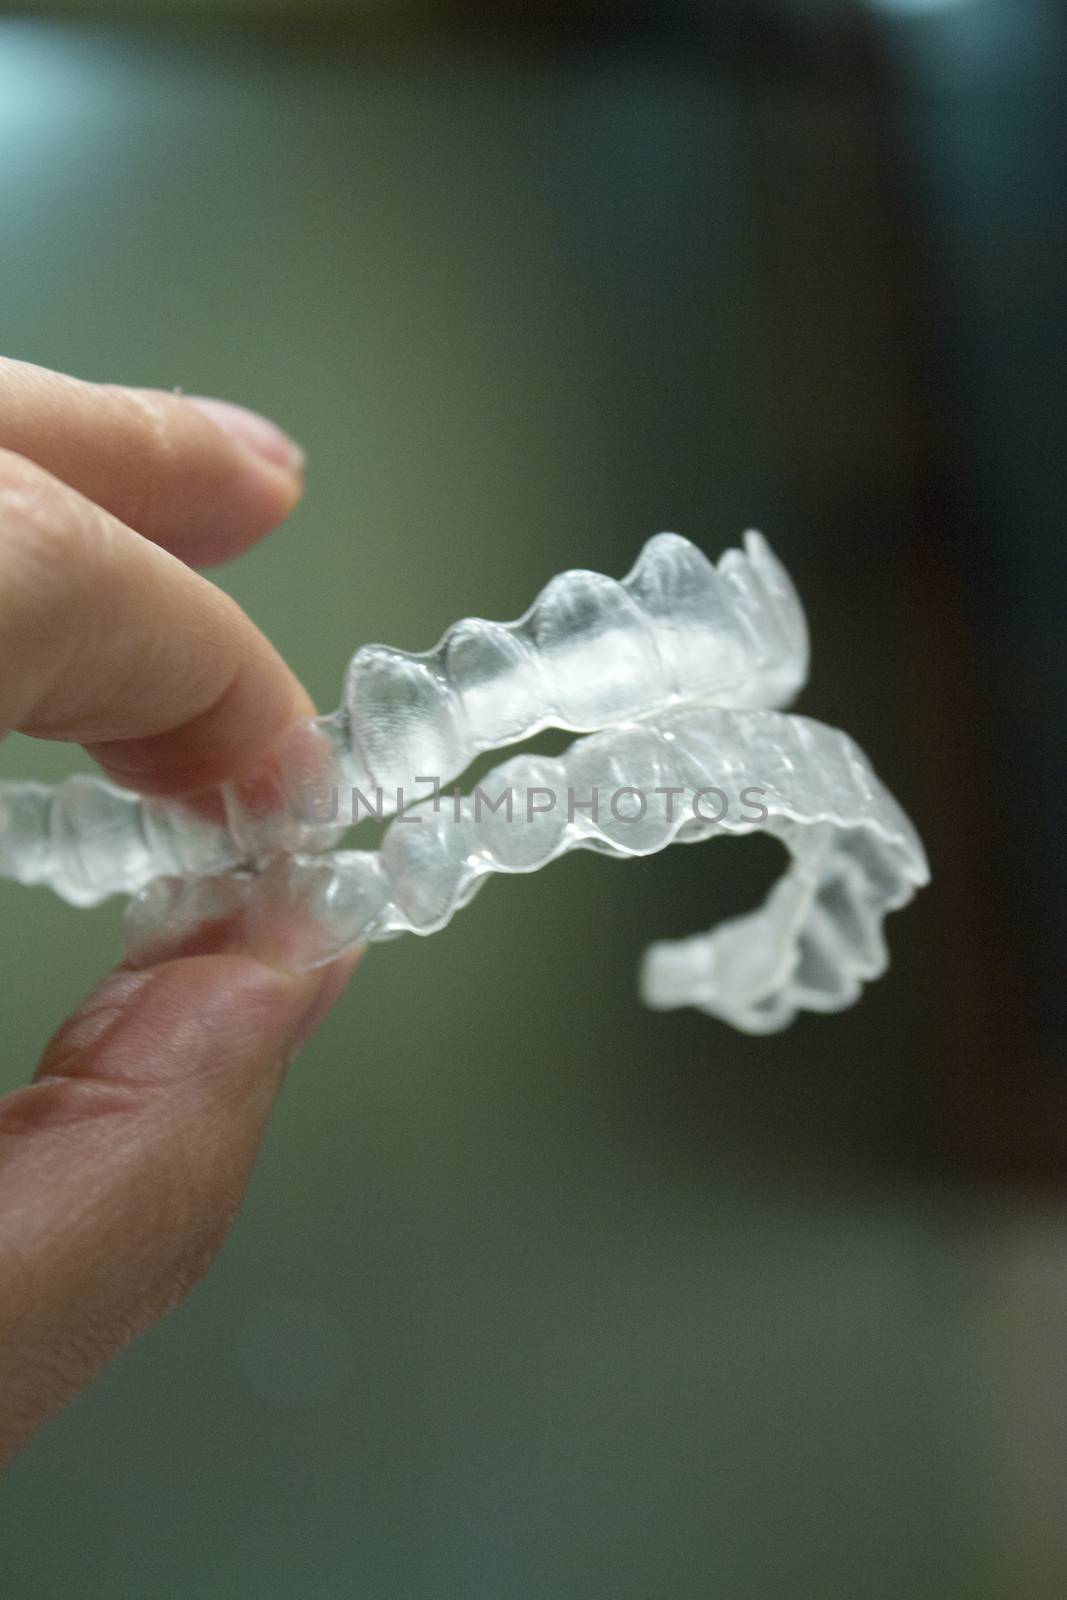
(537, 1294)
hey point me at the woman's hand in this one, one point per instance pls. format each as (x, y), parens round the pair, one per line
(123, 1163)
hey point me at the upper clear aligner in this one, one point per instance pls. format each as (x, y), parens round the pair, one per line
(678, 665)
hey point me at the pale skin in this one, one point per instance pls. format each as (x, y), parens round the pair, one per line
(124, 1161)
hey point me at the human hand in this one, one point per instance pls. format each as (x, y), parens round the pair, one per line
(123, 1163)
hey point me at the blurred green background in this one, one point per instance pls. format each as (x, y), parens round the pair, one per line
(537, 1294)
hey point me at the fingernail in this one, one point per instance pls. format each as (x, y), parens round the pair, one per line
(325, 998)
(256, 433)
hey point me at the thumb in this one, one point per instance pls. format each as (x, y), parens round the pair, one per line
(124, 1163)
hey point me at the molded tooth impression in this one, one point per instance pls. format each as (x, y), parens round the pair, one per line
(672, 672)
(589, 653)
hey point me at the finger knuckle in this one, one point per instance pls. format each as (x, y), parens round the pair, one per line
(150, 429)
(21, 483)
(47, 553)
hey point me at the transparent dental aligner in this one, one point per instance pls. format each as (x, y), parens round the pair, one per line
(589, 653)
(811, 946)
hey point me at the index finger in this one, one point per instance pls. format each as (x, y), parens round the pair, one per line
(201, 477)
(110, 641)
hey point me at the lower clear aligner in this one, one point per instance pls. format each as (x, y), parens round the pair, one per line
(811, 946)
(818, 938)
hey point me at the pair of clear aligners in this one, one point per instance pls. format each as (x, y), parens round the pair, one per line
(674, 672)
